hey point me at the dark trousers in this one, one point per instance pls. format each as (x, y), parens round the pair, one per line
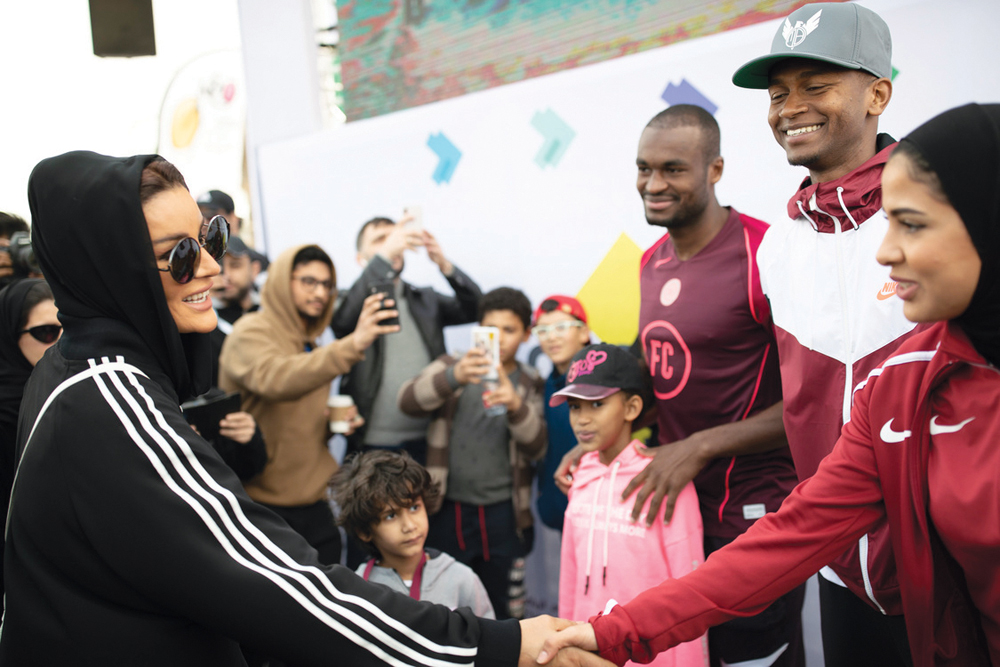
(759, 636)
(855, 635)
(415, 448)
(485, 538)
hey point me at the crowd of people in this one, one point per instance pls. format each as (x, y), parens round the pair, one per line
(166, 415)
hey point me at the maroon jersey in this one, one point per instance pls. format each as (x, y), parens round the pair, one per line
(705, 329)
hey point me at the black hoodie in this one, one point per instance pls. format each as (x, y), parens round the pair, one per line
(129, 541)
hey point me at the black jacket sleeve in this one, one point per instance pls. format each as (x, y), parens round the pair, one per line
(464, 306)
(154, 523)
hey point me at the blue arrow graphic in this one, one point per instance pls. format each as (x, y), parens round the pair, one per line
(448, 157)
(685, 93)
(557, 136)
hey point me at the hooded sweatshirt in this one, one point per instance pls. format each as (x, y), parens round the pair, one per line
(443, 580)
(14, 373)
(836, 318)
(129, 541)
(285, 386)
(607, 557)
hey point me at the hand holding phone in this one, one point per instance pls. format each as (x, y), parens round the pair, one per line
(389, 290)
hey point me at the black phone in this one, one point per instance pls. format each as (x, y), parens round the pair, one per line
(390, 291)
(207, 413)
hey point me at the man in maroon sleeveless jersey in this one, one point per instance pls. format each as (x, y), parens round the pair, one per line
(705, 330)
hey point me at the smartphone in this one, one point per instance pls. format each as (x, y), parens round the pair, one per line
(389, 290)
(417, 213)
(488, 340)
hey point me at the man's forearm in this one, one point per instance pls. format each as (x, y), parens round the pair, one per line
(762, 432)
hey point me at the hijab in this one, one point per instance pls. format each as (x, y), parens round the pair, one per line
(14, 368)
(92, 243)
(962, 146)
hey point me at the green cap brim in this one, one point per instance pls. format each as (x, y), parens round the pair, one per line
(755, 73)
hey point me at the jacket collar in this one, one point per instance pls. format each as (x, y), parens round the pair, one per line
(849, 200)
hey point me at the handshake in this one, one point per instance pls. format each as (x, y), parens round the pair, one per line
(546, 640)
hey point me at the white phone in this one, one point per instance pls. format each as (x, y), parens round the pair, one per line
(415, 212)
(488, 340)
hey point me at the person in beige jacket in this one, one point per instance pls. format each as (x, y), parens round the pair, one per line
(284, 378)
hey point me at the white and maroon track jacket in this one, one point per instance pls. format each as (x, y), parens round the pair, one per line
(835, 320)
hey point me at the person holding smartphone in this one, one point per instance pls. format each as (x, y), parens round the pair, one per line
(374, 381)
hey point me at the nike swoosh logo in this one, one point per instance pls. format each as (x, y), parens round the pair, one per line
(892, 437)
(938, 429)
(887, 292)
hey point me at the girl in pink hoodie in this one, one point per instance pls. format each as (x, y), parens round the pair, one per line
(605, 556)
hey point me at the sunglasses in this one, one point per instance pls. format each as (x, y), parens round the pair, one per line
(182, 262)
(43, 333)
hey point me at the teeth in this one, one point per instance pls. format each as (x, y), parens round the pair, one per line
(197, 298)
(801, 130)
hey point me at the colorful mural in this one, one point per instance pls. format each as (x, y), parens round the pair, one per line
(397, 54)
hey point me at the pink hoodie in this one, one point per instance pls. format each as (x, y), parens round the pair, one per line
(602, 562)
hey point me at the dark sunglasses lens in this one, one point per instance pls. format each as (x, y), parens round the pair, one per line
(217, 237)
(46, 333)
(183, 260)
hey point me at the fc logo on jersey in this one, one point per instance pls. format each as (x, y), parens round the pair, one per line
(795, 35)
(668, 357)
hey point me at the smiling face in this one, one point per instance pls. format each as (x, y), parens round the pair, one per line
(825, 116)
(43, 313)
(604, 425)
(312, 287)
(233, 285)
(927, 248)
(560, 345)
(171, 216)
(673, 179)
(400, 534)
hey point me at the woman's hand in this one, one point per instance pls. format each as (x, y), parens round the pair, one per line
(238, 426)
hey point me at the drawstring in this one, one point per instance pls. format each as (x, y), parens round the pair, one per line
(608, 504)
(590, 536)
(482, 530)
(458, 526)
(843, 206)
(806, 216)
(607, 523)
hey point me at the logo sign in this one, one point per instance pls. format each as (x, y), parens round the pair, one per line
(586, 365)
(669, 358)
(795, 35)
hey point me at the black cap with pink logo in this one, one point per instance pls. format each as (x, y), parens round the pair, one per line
(597, 371)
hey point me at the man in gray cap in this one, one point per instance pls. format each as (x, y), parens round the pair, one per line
(828, 77)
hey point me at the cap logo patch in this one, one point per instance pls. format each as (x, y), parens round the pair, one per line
(795, 35)
(586, 365)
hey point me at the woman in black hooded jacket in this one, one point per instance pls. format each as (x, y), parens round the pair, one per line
(129, 541)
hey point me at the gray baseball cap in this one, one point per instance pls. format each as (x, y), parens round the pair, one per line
(842, 33)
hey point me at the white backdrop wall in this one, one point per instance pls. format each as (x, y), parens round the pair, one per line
(508, 221)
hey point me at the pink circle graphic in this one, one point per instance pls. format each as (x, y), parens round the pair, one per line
(671, 290)
(659, 353)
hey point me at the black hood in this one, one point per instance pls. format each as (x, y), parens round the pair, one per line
(93, 246)
(962, 146)
(14, 368)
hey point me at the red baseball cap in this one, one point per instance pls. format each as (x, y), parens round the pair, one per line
(562, 303)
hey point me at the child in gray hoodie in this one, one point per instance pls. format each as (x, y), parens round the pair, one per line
(383, 498)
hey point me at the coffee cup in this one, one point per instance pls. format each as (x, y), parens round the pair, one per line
(340, 413)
